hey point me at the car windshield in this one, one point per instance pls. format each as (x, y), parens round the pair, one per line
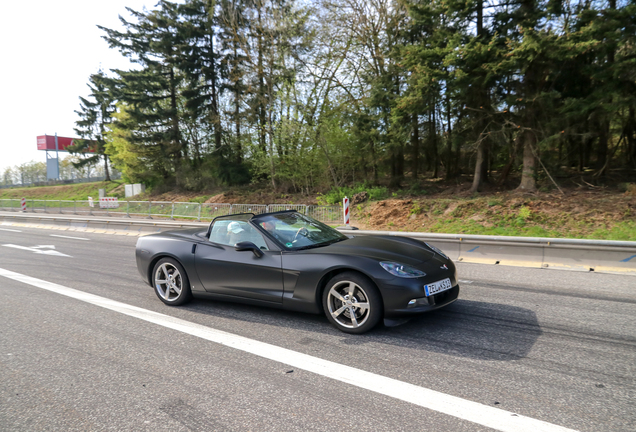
(296, 231)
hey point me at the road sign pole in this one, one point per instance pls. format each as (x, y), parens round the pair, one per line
(57, 157)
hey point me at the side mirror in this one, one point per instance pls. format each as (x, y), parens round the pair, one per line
(248, 246)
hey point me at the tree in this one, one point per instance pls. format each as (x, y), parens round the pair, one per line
(152, 93)
(94, 115)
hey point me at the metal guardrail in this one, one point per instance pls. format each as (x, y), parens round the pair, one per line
(538, 252)
(551, 253)
(167, 209)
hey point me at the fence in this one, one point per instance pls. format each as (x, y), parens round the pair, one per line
(113, 176)
(166, 209)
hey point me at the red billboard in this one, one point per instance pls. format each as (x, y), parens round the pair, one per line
(47, 142)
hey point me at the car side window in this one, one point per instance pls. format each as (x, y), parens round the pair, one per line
(230, 232)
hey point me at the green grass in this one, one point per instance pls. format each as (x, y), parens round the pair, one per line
(79, 191)
(507, 225)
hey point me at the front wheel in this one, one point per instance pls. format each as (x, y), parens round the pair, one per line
(171, 282)
(352, 303)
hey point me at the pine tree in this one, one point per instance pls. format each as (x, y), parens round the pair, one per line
(94, 115)
(153, 93)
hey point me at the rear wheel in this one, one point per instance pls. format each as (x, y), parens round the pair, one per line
(352, 303)
(171, 282)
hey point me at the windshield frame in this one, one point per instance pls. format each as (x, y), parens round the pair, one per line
(259, 219)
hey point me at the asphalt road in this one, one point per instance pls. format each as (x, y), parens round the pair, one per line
(555, 346)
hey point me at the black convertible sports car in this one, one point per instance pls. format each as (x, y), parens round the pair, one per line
(291, 261)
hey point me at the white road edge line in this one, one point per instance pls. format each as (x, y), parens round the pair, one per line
(69, 237)
(7, 229)
(484, 415)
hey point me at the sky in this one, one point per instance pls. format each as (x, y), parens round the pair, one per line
(49, 49)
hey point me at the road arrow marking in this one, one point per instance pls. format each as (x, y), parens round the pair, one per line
(36, 249)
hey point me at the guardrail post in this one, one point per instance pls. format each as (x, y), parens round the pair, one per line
(60, 206)
(44, 206)
(128, 209)
(149, 209)
(75, 207)
(172, 212)
(199, 215)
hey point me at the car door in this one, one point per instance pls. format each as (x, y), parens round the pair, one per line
(224, 270)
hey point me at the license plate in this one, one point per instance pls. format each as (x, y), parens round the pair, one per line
(438, 287)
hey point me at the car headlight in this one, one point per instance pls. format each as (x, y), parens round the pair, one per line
(401, 270)
(436, 250)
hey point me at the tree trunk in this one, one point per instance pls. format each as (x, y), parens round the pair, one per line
(602, 148)
(449, 141)
(479, 166)
(433, 132)
(237, 107)
(106, 170)
(415, 145)
(631, 139)
(261, 83)
(531, 88)
(528, 183)
(176, 133)
(216, 118)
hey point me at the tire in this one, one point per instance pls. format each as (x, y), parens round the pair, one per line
(355, 316)
(171, 282)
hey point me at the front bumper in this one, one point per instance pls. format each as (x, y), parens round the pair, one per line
(421, 305)
(404, 297)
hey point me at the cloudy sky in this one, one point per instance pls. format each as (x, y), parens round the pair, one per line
(49, 50)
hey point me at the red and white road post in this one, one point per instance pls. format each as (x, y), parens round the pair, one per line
(345, 208)
(23, 204)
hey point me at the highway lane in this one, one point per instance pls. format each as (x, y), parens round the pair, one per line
(551, 345)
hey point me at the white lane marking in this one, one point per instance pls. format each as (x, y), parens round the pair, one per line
(68, 237)
(38, 249)
(7, 229)
(485, 415)
(465, 281)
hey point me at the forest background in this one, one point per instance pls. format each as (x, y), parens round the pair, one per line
(316, 95)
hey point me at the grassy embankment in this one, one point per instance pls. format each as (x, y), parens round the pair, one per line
(78, 191)
(601, 214)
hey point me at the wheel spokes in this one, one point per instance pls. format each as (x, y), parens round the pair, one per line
(338, 312)
(354, 321)
(176, 288)
(337, 295)
(361, 306)
(348, 304)
(168, 282)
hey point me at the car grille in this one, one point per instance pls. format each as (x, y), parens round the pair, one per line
(444, 297)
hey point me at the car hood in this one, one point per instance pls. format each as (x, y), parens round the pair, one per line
(384, 248)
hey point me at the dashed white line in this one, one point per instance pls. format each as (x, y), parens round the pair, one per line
(69, 237)
(7, 229)
(485, 415)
